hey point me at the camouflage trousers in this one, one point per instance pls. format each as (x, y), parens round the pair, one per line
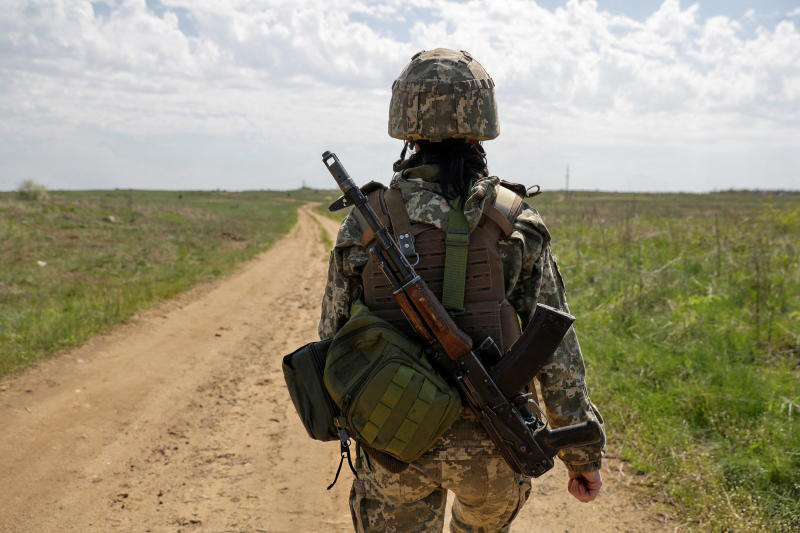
(488, 494)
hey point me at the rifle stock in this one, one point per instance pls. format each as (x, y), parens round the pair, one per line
(569, 437)
(454, 342)
(524, 441)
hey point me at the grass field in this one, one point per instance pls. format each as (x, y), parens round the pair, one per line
(688, 315)
(687, 312)
(78, 262)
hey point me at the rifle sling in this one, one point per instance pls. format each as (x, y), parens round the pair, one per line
(401, 224)
(376, 201)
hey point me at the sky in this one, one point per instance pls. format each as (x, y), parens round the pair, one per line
(246, 94)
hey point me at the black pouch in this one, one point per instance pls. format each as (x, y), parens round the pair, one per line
(302, 370)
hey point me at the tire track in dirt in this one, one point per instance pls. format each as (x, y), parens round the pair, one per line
(180, 421)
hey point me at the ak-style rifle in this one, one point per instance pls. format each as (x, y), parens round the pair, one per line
(496, 394)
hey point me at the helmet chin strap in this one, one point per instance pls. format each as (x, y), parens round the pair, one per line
(397, 164)
(405, 148)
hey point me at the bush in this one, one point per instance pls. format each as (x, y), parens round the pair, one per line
(30, 191)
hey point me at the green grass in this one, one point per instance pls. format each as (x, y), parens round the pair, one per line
(688, 315)
(326, 198)
(108, 254)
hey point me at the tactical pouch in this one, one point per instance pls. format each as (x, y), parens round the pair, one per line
(303, 370)
(391, 398)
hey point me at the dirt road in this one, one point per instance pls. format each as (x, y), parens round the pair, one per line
(180, 422)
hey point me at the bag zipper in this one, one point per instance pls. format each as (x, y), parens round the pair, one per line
(360, 330)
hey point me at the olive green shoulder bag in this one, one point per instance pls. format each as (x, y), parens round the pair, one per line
(391, 399)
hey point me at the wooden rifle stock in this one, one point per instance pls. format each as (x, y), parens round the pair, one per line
(432, 321)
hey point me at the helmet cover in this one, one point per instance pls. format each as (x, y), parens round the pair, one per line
(443, 94)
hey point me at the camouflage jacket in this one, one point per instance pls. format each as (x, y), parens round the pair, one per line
(531, 276)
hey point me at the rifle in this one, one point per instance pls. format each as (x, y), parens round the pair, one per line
(496, 395)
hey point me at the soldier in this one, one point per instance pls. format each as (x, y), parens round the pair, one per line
(443, 106)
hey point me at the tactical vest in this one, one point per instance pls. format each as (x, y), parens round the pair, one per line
(486, 312)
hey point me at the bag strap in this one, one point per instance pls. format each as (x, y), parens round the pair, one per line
(456, 247)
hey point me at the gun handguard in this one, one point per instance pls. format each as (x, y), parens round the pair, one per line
(526, 444)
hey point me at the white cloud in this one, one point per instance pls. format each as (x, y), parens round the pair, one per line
(285, 79)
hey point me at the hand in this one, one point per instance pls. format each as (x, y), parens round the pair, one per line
(585, 486)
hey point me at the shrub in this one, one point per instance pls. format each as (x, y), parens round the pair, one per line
(30, 191)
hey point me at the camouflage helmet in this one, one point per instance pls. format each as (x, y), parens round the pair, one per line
(443, 94)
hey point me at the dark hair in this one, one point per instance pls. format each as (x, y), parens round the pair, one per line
(461, 162)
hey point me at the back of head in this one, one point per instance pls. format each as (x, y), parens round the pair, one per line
(443, 94)
(461, 163)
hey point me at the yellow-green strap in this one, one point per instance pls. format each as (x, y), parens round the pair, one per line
(455, 258)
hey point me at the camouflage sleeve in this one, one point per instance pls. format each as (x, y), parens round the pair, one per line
(347, 259)
(532, 276)
(562, 381)
(521, 253)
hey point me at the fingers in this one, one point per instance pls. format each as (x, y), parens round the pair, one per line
(584, 486)
(580, 492)
(593, 480)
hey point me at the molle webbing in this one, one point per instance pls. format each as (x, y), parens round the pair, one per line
(406, 402)
(486, 311)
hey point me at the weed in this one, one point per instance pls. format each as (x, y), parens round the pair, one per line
(30, 191)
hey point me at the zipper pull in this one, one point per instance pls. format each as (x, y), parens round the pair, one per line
(344, 450)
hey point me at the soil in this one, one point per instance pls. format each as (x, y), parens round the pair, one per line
(179, 421)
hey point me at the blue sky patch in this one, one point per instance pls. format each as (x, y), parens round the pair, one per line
(186, 21)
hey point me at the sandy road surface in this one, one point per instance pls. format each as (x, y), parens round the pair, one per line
(180, 422)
